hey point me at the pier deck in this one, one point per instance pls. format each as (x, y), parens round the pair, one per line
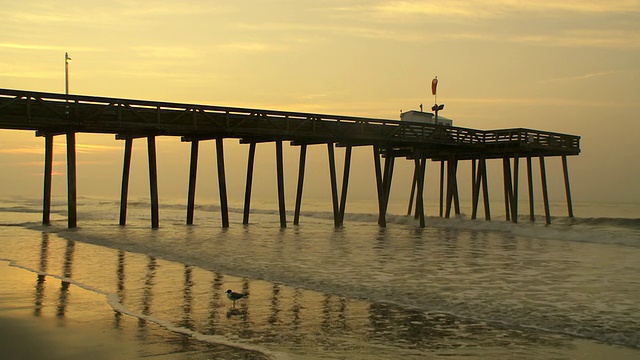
(51, 114)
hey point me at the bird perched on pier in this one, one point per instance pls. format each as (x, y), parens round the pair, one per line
(233, 296)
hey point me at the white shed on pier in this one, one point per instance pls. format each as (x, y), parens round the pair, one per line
(424, 117)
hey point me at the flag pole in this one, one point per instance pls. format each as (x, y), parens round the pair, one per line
(434, 85)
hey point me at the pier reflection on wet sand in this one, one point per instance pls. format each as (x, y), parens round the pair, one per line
(278, 317)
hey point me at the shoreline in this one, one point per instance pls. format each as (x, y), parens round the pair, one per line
(82, 325)
(74, 318)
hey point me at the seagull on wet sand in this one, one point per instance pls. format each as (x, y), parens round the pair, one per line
(233, 296)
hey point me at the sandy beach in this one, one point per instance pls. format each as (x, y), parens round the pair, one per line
(58, 320)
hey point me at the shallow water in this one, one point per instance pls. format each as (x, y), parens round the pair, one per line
(457, 288)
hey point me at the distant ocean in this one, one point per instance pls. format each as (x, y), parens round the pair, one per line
(458, 288)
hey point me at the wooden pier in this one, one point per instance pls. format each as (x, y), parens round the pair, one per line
(51, 114)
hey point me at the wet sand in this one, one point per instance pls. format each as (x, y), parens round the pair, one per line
(159, 309)
(57, 320)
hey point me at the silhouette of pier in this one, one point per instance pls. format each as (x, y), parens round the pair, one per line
(52, 114)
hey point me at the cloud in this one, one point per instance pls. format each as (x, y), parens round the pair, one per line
(61, 149)
(581, 37)
(171, 8)
(434, 9)
(577, 77)
(92, 149)
(166, 52)
(25, 150)
(30, 46)
(541, 100)
(252, 47)
(495, 8)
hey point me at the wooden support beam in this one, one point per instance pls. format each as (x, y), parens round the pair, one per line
(423, 169)
(485, 189)
(473, 183)
(452, 186)
(153, 181)
(334, 184)
(48, 171)
(379, 186)
(456, 196)
(124, 190)
(565, 170)
(508, 189)
(280, 175)
(545, 193)
(441, 187)
(413, 187)
(422, 179)
(532, 216)
(301, 168)
(475, 191)
(389, 162)
(448, 190)
(420, 165)
(345, 183)
(247, 190)
(222, 183)
(514, 194)
(71, 180)
(193, 174)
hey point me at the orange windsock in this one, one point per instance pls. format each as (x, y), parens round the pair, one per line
(434, 85)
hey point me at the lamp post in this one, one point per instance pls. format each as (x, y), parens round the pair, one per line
(71, 157)
(67, 60)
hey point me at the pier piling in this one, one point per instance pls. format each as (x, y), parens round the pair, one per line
(193, 174)
(545, 192)
(48, 170)
(334, 184)
(420, 165)
(71, 180)
(153, 181)
(124, 190)
(280, 176)
(514, 197)
(565, 171)
(379, 185)
(508, 189)
(301, 168)
(247, 191)
(222, 183)
(345, 184)
(532, 216)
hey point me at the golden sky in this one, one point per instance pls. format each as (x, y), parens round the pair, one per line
(571, 66)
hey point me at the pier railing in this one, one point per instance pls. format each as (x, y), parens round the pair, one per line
(53, 114)
(28, 110)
